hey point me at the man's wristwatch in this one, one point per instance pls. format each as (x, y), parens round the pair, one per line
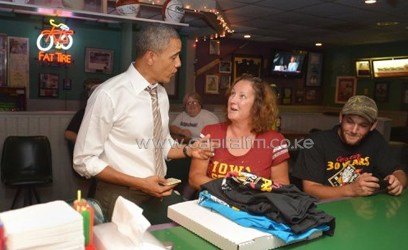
(185, 151)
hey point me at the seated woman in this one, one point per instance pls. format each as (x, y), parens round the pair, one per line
(188, 124)
(246, 141)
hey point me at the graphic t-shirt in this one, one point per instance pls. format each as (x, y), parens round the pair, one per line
(267, 150)
(196, 123)
(333, 163)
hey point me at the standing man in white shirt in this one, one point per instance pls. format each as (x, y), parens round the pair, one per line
(115, 142)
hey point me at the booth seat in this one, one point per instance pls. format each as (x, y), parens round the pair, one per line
(399, 133)
(399, 151)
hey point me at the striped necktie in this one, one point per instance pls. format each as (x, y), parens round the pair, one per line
(157, 131)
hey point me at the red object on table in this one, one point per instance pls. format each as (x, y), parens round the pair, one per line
(2, 239)
(87, 212)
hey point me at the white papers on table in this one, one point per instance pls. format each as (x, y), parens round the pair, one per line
(53, 225)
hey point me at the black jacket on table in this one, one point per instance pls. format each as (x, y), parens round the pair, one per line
(286, 204)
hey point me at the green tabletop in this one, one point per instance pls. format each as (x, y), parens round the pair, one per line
(376, 222)
(183, 239)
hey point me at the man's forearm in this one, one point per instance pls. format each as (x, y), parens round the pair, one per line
(175, 130)
(323, 192)
(110, 175)
(176, 152)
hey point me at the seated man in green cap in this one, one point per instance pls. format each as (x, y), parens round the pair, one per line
(351, 159)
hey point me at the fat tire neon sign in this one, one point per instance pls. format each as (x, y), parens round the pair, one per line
(59, 37)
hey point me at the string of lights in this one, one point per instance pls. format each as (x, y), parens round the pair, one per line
(197, 6)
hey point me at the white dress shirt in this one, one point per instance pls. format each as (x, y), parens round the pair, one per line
(117, 128)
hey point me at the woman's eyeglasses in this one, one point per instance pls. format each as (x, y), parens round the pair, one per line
(192, 103)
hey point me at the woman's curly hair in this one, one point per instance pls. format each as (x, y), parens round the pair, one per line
(265, 108)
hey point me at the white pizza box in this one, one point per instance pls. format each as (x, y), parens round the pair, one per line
(221, 231)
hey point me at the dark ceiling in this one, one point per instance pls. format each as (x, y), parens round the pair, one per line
(304, 22)
(299, 23)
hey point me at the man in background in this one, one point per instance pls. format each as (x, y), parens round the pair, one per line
(352, 159)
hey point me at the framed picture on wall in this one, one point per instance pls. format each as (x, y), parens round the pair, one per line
(3, 59)
(225, 81)
(345, 88)
(311, 95)
(299, 95)
(363, 68)
(211, 84)
(225, 67)
(381, 90)
(286, 96)
(98, 60)
(314, 70)
(48, 85)
(3, 68)
(18, 62)
(214, 47)
(247, 65)
(67, 84)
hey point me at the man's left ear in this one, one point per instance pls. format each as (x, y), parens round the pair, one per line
(374, 125)
(149, 57)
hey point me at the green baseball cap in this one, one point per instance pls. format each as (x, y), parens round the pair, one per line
(361, 105)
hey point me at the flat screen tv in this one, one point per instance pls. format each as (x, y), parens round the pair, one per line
(288, 63)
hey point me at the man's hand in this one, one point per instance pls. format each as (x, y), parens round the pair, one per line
(394, 185)
(153, 186)
(186, 133)
(366, 184)
(203, 148)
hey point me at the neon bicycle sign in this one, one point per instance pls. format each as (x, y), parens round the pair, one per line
(59, 35)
